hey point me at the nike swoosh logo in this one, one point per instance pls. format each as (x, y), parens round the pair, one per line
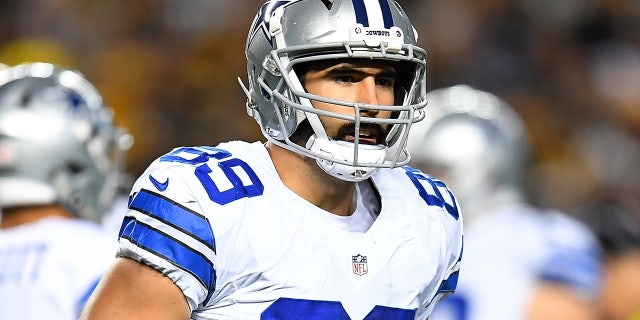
(161, 186)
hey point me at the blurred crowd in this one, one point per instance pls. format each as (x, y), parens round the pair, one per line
(571, 68)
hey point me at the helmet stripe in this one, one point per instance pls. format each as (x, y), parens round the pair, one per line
(361, 12)
(386, 13)
(373, 13)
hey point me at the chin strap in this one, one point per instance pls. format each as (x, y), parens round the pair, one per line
(347, 169)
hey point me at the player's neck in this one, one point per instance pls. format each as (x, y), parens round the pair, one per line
(13, 217)
(304, 177)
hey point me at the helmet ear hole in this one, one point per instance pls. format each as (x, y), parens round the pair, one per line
(75, 202)
(328, 4)
(75, 168)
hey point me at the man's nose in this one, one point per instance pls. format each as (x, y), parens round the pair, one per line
(367, 93)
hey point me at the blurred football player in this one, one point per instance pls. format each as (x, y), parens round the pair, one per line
(58, 173)
(112, 219)
(614, 217)
(322, 221)
(521, 262)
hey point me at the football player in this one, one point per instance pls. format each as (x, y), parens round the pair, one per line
(58, 173)
(321, 221)
(614, 217)
(521, 262)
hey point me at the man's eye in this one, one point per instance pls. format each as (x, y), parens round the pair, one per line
(344, 79)
(385, 82)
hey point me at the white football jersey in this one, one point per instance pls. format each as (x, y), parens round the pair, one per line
(49, 268)
(508, 252)
(221, 224)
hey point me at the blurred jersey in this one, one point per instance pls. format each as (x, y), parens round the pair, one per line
(508, 252)
(112, 219)
(221, 224)
(49, 268)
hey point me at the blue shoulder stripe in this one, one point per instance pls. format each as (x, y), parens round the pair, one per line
(450, 284)
(169, 249)
(171, 213)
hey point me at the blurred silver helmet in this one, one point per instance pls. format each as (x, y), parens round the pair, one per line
(475, 142)
(285, 34)
(58, 143)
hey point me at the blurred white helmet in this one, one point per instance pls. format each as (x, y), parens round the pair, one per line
(58, 143)
(288, 34)
(474, 142)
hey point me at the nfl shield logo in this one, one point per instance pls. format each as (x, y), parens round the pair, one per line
(359, 264)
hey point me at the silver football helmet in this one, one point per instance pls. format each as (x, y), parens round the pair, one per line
(286, 34)
(58, 143)
(476, 143)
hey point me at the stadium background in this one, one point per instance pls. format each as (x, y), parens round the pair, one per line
(169, 68)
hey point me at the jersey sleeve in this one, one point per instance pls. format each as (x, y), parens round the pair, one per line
(443, 204)
(453, 256)
(165, 229)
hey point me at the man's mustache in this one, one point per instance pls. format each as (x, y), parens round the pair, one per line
(349, 129)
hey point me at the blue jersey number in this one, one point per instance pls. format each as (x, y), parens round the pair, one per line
(22, 264)
(299, 309)
(435, 198)
(201, 156)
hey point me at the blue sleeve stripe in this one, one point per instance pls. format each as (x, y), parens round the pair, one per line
(450, 284)
(175, 215)
(170, 249)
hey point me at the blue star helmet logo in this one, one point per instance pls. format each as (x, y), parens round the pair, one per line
(75, 101)
(264, 15)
